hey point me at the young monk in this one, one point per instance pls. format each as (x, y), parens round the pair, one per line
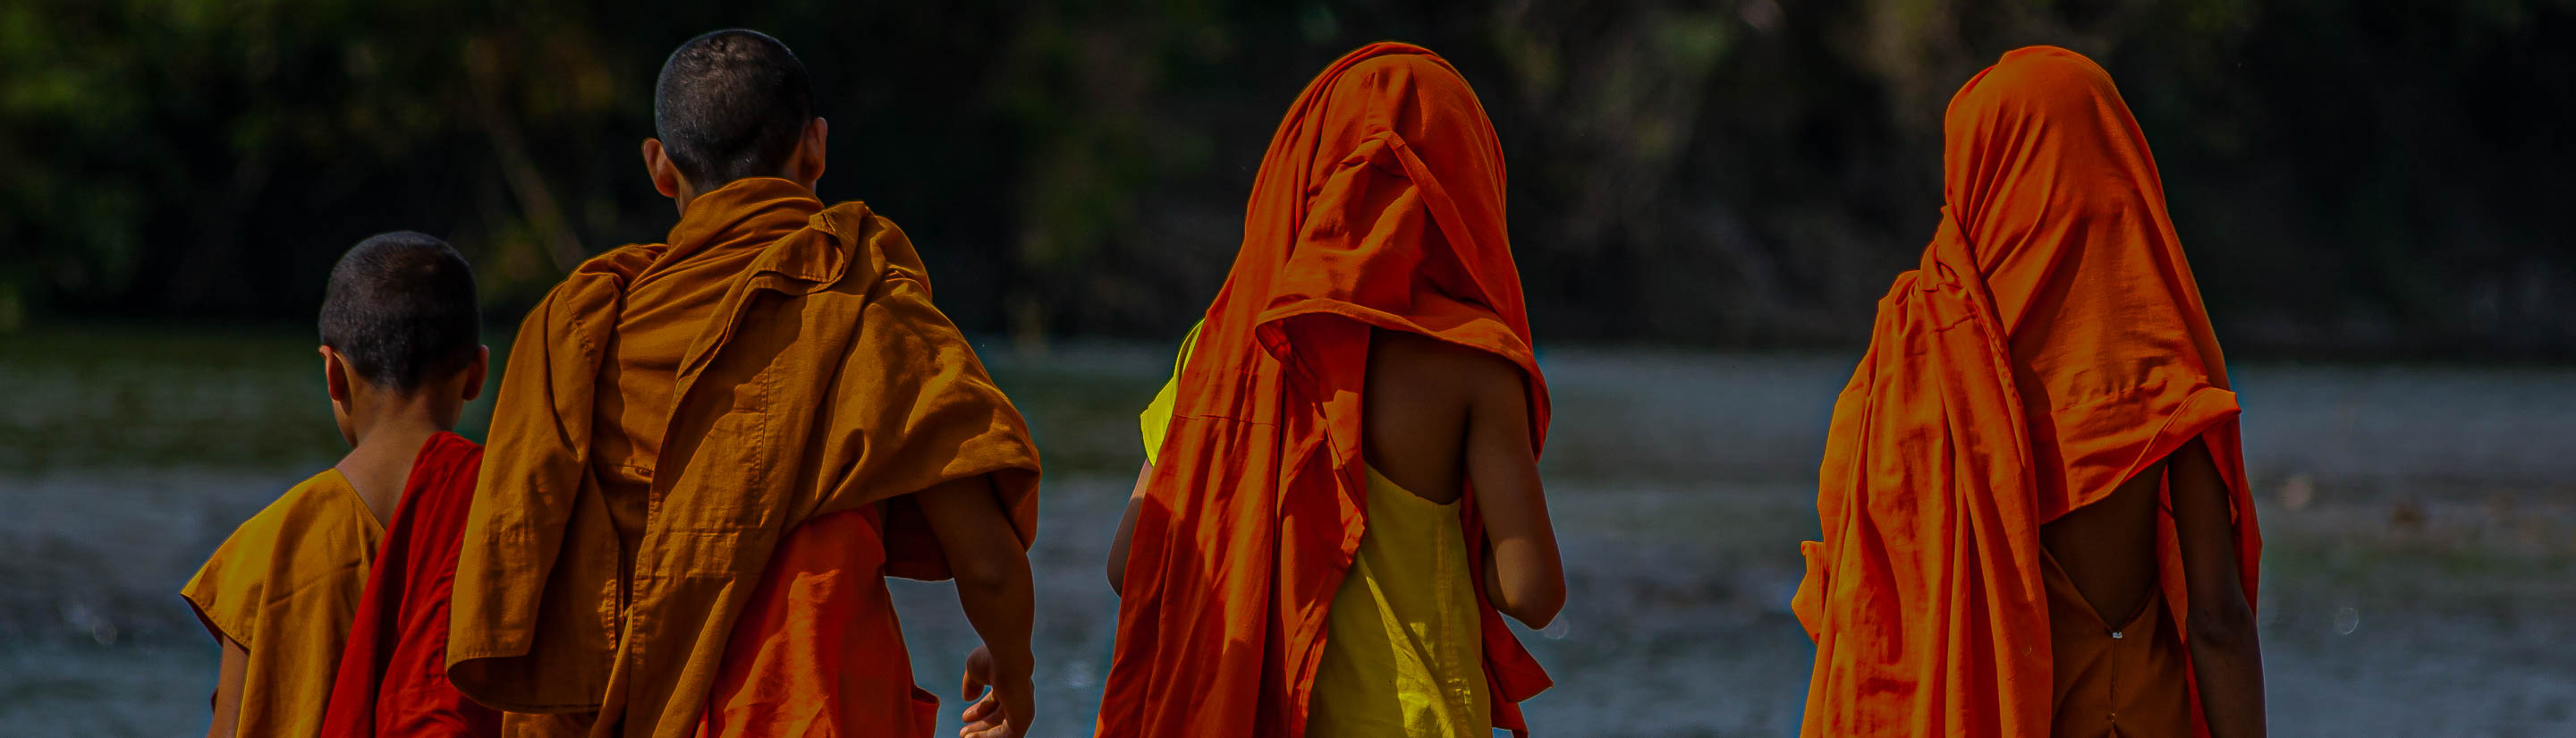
(708, 453)
(401, 354)
(392, 678)
(1346, 499)
(2033, 499)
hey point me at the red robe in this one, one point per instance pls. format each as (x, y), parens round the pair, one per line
(1379, 206)
(393, 673)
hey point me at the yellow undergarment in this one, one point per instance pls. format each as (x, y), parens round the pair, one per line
(1403, 651)
(1403, 646)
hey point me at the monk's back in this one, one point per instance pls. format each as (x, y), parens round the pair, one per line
(1414, 410)
(2108, 549)
(1402, 653)
(670, 303)
(2118, 664)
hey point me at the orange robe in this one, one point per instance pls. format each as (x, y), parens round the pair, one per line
(285, 586)
(393, 675)
(2051, 345)
(819, 645)
(1379, 205)
(675, 417)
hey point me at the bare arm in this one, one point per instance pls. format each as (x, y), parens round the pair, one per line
(228, 690)
(1127, 533)
(1523, 576)
(993, 587)
(2225, 656)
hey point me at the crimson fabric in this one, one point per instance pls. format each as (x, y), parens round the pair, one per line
(2051, 345)
(1378, 206)
(393, 673)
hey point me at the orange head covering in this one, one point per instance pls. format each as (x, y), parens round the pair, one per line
(2051, 345)
(1379, 205)
(2054, 196)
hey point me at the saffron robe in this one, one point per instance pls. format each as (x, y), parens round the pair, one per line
(816, 378)
(285, 586)
(1378, 206)
(2050, 345)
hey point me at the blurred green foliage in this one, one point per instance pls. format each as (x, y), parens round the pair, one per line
(2350, 178)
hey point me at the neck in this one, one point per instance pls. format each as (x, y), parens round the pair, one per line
(387, 446)
(682, 195)
(406, 419)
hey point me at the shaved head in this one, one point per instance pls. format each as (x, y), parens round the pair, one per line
(731, 104)
(400, 311)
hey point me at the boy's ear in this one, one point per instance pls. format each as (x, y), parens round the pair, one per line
(335, 375)
(657, 164)
(809, 152)
(474, 372)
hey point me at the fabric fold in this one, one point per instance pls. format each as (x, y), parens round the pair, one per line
(1378, 206)
(823, 381)
(393, 675)
(2050, 345)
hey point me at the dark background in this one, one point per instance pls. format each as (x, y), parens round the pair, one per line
(2360, 180)
(1707, 199)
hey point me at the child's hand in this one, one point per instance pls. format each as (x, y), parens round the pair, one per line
(1005, 710)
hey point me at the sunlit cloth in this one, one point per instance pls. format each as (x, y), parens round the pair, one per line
(1157, 417)
(1403, 655)
(285, 586)
(2051, 345)
(819, 379)
(1379, 205)
(1403, 648)
(393, 676)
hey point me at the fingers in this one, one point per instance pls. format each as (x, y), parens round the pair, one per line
(979, 670)
(990, 725)
(1004, 712)
(997, 730)
(984, 719)
(1005, 704)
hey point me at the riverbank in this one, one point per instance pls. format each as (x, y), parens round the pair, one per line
(2420, 526)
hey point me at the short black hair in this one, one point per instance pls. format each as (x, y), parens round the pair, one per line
(731, 104)
(400, 310)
